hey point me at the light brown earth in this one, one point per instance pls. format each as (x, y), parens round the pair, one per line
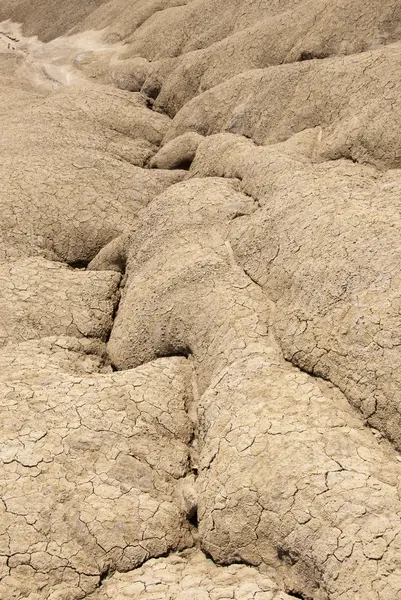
(200, 300)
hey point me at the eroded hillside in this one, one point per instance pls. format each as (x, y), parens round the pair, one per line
(200, 300)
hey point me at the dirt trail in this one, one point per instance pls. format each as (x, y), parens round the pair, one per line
(51, 65)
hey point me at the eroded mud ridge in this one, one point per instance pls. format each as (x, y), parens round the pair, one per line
(200, 299)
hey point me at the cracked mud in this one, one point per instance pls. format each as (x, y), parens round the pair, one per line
(200, 300)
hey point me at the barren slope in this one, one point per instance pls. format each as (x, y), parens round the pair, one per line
(200, 294)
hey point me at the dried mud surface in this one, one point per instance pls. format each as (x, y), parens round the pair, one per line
(200, 300)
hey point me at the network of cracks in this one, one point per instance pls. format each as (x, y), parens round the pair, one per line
(199, 331)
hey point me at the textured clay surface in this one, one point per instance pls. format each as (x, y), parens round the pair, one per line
(200, 299)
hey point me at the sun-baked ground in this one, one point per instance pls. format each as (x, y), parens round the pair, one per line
(200, 300)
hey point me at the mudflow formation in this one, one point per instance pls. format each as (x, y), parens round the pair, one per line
(200, 299)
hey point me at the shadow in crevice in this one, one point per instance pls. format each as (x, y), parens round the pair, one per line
(172, 351)
(184, 165)
(307, 55)
(192, 517)
(294, 594)
(106, 573)
(78, 264)
(287, 556)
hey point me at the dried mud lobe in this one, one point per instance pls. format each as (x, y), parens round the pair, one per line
(190, 575)
(197, 230)
(346, 330)
(89, 468)
(76, 303)
(288, 475)
(74, 158)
